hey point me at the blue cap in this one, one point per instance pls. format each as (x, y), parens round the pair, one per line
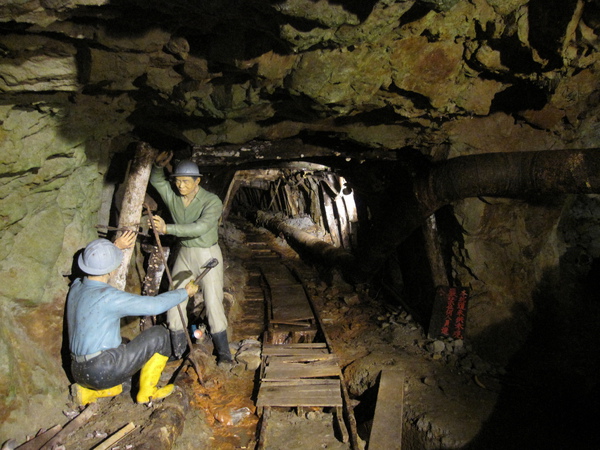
(100, 257)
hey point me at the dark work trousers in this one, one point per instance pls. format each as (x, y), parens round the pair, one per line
(117, 365)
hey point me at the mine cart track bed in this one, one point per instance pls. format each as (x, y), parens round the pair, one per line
(299, 369)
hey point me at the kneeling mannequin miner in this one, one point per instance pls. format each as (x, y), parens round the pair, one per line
(100, 361)
(196, 213)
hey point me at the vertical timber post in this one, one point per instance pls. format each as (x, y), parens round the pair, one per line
(133, 201)
(434, 251)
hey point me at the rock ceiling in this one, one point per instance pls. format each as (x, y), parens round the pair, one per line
(446, 77)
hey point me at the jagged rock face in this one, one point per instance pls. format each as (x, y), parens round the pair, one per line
(225, 72)
(82, 79)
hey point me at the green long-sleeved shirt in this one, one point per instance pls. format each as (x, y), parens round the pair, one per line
(197, 225)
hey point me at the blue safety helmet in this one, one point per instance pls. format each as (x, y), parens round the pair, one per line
(100, 257)
(186, 168)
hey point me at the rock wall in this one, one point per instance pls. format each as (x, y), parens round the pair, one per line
(54, 153)
(508, 248)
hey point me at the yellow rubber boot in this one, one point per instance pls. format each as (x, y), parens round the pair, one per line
(149, 378)
(84, 396)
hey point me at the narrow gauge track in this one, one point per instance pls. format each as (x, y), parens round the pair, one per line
(299, 370)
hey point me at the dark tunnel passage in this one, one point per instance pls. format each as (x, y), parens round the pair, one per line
(552, 342)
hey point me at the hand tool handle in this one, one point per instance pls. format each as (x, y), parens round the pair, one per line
(213, 262)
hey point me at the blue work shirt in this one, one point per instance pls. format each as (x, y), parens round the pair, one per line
(95, 309)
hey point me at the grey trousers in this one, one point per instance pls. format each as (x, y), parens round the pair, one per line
(188, 266)
(117, 365)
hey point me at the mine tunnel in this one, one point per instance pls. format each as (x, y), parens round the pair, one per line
(408, 220)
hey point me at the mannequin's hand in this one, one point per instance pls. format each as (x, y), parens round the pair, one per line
(159, 224)
(191, 288)
(126, 240)
(163, 159)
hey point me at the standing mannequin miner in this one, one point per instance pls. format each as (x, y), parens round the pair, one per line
(196, 214)
(100, 361)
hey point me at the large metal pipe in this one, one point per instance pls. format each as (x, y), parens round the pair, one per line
(513, 175)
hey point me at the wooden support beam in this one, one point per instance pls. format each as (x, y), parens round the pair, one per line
(283, 151)
(234, 186)
(292, 201)
(332, 224)
(133, 200)
(434, 252)
(350, 204)
(343, 222)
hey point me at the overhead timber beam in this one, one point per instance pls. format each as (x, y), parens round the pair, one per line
(283, 150)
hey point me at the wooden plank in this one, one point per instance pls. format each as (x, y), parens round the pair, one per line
(281, 350)
(277, 371)
(297, 351)
(262, 440)
(38, 442)
(290, 292)
(293, 346)
(291, 299)
(318, 388)
(325, 399)
(304, 381)
(254, 288)
(302, 358)
(292, 323)
(289, 303)
(112, 440)
(257, 244)
(277, 275)
(301, 389)
(294, 397)
(282, 314)
(271, 256)
(72, 426)
(290, 313)
(339, 420)
(388, 419)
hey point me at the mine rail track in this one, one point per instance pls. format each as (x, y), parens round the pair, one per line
(299, 368)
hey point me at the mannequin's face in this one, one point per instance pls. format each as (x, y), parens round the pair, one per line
(186, 185)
